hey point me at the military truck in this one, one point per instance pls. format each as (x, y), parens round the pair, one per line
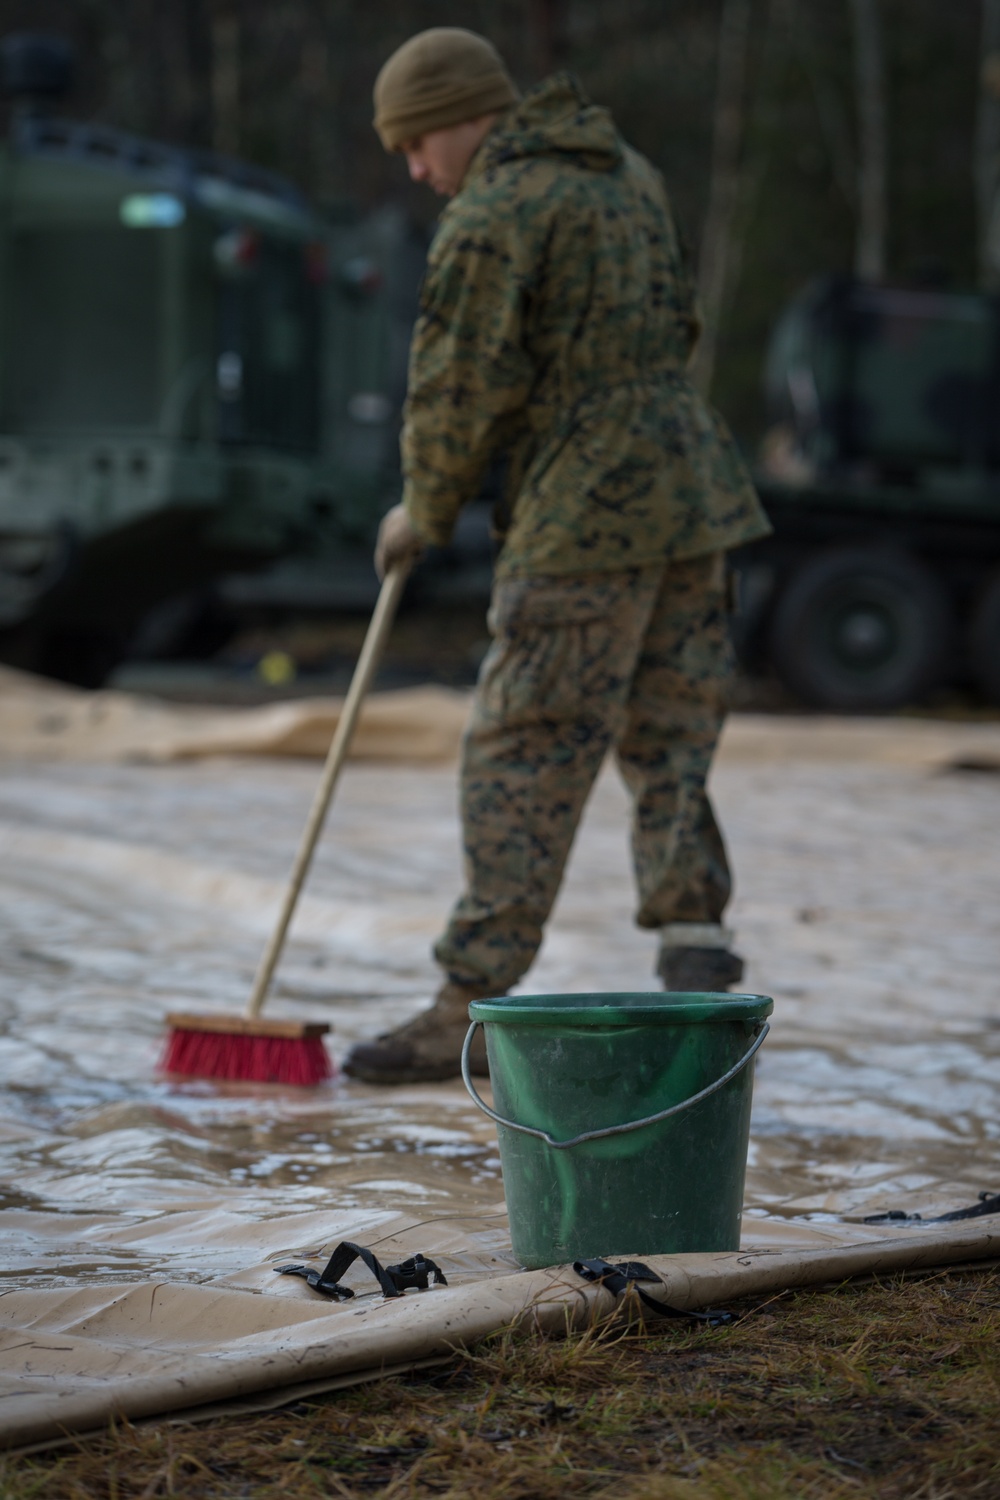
(881, 474)
(170, 405)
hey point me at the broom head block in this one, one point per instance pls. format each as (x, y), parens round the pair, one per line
(227, 1025)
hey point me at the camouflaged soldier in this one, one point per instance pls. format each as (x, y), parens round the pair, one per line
(556, 322)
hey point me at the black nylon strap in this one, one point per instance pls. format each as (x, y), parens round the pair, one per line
(411, 1274)
(629, 1273)
(989, 1203)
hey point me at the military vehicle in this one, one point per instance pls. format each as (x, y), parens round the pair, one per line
(192, 375)
(881, 474)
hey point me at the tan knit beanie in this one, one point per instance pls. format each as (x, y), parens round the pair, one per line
(439, 77)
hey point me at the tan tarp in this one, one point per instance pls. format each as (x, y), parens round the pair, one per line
(46, 720)
(866, 904)
(40, 719)
(137, 1351)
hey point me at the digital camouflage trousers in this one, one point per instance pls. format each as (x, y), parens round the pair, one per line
(636, 661)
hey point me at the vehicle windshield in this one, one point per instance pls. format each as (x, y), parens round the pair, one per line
(83, 329)
(268, 349)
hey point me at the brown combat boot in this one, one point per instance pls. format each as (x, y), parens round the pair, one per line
(696, 957)
(426, 1049)
(699, 971)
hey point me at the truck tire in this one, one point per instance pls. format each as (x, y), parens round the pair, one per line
(861, 630)
(985, 641)
(84, 658)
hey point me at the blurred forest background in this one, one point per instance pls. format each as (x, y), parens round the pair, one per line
(797, 136)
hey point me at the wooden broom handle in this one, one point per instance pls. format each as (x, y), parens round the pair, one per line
(371, 651)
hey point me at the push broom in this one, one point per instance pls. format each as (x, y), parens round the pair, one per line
(249, 1048)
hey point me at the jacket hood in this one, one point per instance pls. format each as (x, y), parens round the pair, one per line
(554, 119)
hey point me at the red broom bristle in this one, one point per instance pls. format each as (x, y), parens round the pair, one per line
(300, 1061)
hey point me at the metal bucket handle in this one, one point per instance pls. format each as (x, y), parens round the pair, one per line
(597, 1135)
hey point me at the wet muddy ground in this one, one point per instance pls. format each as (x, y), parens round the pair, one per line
(866, 905)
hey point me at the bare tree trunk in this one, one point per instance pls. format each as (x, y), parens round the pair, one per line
(320, 91)
(184, 57)
(814, 45)
(986, 166)
(548, 22)
(226, 79)
(764, 126)
(869, 255)
(724, 181)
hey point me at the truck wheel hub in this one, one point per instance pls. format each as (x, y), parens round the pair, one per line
(864, 636)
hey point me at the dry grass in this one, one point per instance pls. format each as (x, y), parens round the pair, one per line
(885, 1389)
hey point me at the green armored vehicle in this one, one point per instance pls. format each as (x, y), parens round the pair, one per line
(881, 474)
(169, 405)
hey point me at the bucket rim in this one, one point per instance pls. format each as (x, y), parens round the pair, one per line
(595, 1008)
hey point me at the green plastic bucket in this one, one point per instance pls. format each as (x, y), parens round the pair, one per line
(623, 1120)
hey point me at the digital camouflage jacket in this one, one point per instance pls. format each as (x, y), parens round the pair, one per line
(557, 317)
